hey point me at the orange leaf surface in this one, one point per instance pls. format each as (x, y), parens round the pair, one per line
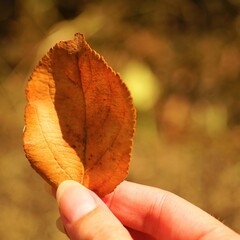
(79, 119)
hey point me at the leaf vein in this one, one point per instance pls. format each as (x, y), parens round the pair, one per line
(49, 147)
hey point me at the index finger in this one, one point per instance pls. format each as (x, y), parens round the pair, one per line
(163, 214)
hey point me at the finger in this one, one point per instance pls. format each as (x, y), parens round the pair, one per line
(85, 216)
(163, 214)
(139, 235)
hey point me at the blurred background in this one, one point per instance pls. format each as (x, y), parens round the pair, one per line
(181, 60)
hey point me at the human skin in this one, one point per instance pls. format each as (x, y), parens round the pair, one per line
(135, 211)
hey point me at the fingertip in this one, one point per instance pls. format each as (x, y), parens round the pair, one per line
(74, 201)
(64, 186)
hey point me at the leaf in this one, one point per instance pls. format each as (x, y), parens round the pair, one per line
(79, 119)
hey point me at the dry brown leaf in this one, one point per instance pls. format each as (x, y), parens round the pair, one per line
(80, 119)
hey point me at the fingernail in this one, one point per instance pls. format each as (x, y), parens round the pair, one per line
(74, 201)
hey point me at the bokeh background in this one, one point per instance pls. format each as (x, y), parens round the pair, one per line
(181, 60)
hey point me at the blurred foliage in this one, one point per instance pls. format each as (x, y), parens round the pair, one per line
(181, 60)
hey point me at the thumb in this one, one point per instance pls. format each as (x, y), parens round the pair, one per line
(85, 216)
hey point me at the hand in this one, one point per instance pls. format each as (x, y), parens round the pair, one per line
(146, 213)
